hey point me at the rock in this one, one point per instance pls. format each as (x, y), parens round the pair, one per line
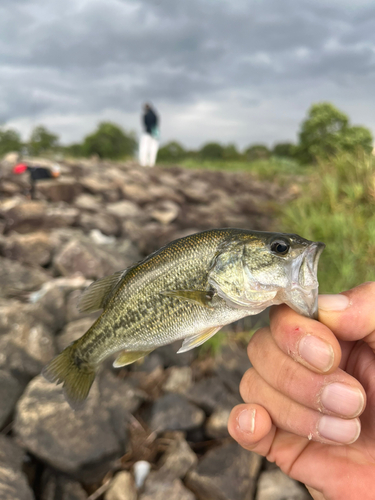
(61, 189)
(137, 193)
(73, 331)
(179, 458)
(122, 487)
(12, 157)
(148, 236)
(106, 223)
(31, 248)
(90, 261)
(58, 486)
(159, 488)
(172, 412)
(86, 201)
(210, 394)
(16, 278)
(179, 380)
(216, 425)
(231, 365)
(124, 209)
(10, 390)
(82, 443)
(13, 483)
(72, 312)
(196, 191)
(225, 473)
(60, 216)
(165, 211)
(25, 350)
(275, 485)
(170, 357)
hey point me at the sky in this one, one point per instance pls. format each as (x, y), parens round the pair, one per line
(232, 71)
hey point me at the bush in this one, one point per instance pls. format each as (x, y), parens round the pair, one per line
(42, 140)
(10, 140)
(326, 132)
(171, 152)
(257, 152)
(109, 141)
(285, 150)
(212, 151)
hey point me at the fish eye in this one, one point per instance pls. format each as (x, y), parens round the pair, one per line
(280, 247)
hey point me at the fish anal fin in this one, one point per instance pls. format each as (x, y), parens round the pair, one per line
(97, 295)
(200, 297)
(128, 357)
(198, 339)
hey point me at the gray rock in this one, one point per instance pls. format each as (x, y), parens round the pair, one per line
(165, 211)
(180, 379)
(124, 209)
(72, 312)
(217, 424)
(82, 443)
(158, 487)
(88, 202)
(13, 485)
(10, 391)
(275, 485)
(106, 223)
(61, 487)
(225, 473)
(32, 248)
(25, 217)
(173, 412)
(11, 455)
(122, 487)
(231, 365)
(60, 216)
(170, 357)
(61, 189)
(210, 394)
(16, 278)
(179, 458)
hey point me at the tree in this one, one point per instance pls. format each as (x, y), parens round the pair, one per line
(171, 152)
(230, 152)
(212, 151)
(284, 150)
(326, 131)
(257, 152)
(10, 140)
(42, 140)
(109, 141)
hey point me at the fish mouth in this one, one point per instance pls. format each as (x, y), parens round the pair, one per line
(302, 296)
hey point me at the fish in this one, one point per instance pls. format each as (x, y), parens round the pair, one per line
(187, 290)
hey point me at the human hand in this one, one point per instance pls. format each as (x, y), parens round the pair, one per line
(306, 394)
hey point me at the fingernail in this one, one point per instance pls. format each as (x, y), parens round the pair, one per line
(246, 421)
(316, 352)
(339, 430)
(342, 399)
(333, 302)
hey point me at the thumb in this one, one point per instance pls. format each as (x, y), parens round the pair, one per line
(350, 315)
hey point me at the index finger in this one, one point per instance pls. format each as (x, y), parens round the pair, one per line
(306, 340)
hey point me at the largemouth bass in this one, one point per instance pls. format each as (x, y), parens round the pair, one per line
(187, 290)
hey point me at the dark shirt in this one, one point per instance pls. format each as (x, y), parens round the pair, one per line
(150, 121)
(37, 173)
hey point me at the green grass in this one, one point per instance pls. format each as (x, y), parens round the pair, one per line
(338, 208)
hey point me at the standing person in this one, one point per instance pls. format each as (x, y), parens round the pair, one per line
(149, 145)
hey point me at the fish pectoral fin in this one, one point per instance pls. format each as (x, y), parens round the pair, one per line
(200, 297)
(97, 295)
(198, 339)
(128, 357)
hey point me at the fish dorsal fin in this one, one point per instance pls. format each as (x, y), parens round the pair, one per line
(200, 297)
(198, 339)
(98, 294)
(128, 357)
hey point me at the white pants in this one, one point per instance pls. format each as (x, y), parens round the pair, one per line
(148, 149)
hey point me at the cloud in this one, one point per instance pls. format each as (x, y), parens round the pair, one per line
(226, 67)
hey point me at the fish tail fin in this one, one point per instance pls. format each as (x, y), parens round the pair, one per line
(76, 376)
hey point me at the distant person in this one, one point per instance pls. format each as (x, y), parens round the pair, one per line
(148, 148)
(36, 174)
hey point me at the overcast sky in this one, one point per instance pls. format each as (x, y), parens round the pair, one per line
(239, 71)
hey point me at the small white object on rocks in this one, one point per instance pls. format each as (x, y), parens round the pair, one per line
(141, 471)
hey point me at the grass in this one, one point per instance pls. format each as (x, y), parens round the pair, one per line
(338, 207)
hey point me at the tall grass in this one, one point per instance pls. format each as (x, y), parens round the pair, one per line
(338, 208)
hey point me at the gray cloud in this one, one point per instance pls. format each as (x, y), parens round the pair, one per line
(79, 57)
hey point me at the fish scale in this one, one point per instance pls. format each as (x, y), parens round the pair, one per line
(187, 290)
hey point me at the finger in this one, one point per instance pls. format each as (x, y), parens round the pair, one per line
(335, 394)
(292, 417)
(307, 341)
(350, 315)
(251, 426)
